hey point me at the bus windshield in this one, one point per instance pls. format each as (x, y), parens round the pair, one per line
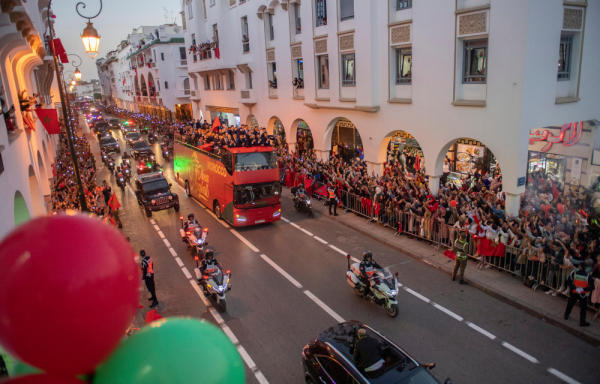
(253, 161)
(256, 195)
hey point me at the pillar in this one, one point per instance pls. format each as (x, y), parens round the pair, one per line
(322, 154)
(434, 184)
(375, 168)
(512, 204)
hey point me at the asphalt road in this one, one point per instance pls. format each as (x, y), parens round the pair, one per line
(289, 284)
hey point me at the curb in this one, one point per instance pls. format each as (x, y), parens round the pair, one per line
(540, 315)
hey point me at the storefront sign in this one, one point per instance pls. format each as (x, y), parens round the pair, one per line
(575, 170)
(562, 137)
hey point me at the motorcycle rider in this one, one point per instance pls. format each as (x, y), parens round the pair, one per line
(209, 262)
(191, 221)
(118, 170)
(367, 270)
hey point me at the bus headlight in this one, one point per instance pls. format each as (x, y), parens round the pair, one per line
(277, 213)
(240, 218)
(153, 202)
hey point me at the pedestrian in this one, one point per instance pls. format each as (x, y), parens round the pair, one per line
(106, 191)
(461, 247)
(581, 284)
(332, 193)
(148, 276)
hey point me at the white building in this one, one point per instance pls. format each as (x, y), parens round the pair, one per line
(486, 73)
(148, 72)
(87, 88)
(26, 156)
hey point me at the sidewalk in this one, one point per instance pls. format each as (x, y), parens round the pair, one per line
(498, 284)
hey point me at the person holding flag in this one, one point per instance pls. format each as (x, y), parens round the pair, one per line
(114, 205)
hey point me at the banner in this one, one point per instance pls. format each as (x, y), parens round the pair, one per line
(49, 119)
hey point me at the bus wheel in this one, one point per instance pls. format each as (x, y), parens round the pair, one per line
(217, 210)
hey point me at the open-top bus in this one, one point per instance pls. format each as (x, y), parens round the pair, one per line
(240, 185)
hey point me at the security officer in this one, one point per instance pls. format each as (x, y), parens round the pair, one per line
(209, 262)
(332, 194)
(460, 249)
(148, 275)
(367, 270)
(581, 285)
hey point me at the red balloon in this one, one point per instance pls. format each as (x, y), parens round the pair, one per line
(453, 203)
(546, 208)
(68, 292)
(561, 208)
(43, 379)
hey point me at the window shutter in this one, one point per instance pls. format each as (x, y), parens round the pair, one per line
(346, 9)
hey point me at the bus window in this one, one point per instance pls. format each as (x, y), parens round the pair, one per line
(255, 160)
(256, 195)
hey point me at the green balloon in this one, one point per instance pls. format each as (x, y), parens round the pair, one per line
(174, 350)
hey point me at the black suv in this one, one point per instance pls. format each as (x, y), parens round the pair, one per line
(154, 193)
(329, 359)
(102, 129)
(114, 124)
(141, 148)
(109, 144)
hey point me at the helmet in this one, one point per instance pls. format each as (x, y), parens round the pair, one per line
(190, 216)
(142, 253)
(367, 255)
(118, 168)
(208, 254)
(301, 186)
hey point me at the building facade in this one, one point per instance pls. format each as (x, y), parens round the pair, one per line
(26, 155)
(486, 74)
(148, 72)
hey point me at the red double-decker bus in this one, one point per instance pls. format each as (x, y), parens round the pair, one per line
(240, 185)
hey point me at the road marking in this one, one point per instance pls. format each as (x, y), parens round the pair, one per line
(172, 252)
(186, 273)
(162, 235)
(156, 227)
(215, 217)
(520, 353)
(260, 377)
(319, 239)
(295, 225)
(321, 304)
(481, 330)
(167, 243)
(153, 222)
(284, 273)
(247, 358)
(562, 376)
(230, 334)
(284, 219)
(200, 293)
(243, 239)
(337, 249)
(216, 315)
(307, 232)
(417, 294)
(448, 312)
(179, 262)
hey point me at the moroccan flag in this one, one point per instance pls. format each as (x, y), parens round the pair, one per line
(554, 190)
(216, 124)
(49, 119)
(123, 81)
(60, 51)
(113, 203)
(418, 163)
(449, 254)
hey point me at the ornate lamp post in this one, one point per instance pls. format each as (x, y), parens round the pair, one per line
(90, 37)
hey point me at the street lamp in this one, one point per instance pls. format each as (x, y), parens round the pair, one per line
(78, 74)
(90, 36)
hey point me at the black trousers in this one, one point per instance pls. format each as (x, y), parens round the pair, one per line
(573, 298)
(150, 285)
(332, 203)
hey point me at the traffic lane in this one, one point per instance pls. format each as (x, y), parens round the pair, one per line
(322, 271)
(535, 337)
(272, 319)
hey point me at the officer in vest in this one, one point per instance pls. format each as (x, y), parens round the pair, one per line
(332, 195)
(581, 284)
(148, 276)
(367, 270)
(461, 246)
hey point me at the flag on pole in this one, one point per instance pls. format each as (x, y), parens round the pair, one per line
(60, 51)
(555, 193)
(113, 202)
(49, 119)
(216, 124)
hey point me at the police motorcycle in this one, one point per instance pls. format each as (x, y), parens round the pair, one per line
(111, 164)
(383, 289)
(195, 237)
(121, 180)
(214, 282)
(164, 146)
(302, 203)
(151, 138)
(126, 172)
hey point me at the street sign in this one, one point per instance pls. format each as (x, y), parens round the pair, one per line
(521, 181)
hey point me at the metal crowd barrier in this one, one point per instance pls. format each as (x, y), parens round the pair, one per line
(439, 235)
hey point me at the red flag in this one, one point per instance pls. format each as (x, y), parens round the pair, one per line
(554, 190)
(60, 51)
(152, 315)
(123, 81)
(113, 203)
(449, 254)
(216, 124)
(417, 163)
(49, 119)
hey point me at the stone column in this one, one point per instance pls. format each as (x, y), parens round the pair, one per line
(322, 154)
(434, 184)
(375, 167)
(512, 203)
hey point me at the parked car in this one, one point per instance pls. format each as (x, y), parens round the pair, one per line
(154, 193)
(329, 359)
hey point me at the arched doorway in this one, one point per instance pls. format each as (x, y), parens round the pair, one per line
(301, 134)
(37, 199)
(21, 213)
(402, 147)
(137, 86)
(251, 121)
(344, 138)
(151, 85)
(43, 175)
(143, 85)
(275, 127)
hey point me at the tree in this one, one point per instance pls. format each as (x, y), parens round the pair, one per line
(97, 96)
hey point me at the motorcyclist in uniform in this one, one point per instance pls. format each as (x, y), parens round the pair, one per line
(191, 221)
(367, 270)
(209, 262)
(301, 195)
(118, 170)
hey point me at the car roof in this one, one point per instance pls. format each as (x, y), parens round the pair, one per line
(339, 338)
(133, 133)
(139, 141)
(150, 176)
(107, 138)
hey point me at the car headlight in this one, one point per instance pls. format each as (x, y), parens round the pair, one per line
(170, 197)
(117, 145)
(308, 202)
(153, 201)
